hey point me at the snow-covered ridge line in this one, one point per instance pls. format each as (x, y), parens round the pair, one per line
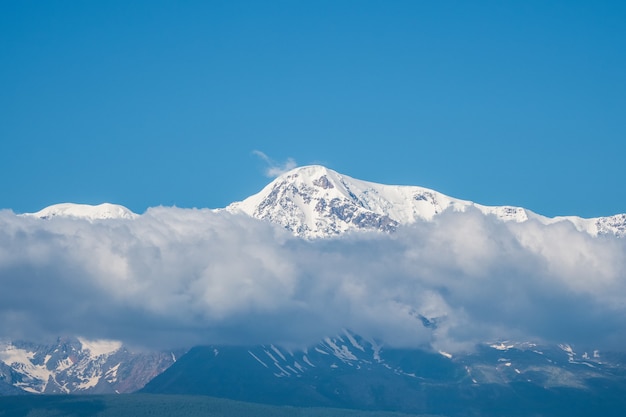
(103, 211)
(314, 201)
(317, 202)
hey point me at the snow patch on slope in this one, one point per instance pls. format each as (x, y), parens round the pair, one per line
(74, 365)
(36, 376)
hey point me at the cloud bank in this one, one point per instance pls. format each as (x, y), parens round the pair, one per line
(177, 277)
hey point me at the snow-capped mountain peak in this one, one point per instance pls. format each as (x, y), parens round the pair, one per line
(314, 201)
(85, 211)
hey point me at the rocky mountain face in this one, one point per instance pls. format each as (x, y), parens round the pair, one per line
(73, 365)
(348, 371)
(316, 202)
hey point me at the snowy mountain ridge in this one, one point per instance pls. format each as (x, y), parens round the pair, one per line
(102, 211)
(315, 202)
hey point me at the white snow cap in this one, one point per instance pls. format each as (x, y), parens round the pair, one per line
(85, 211)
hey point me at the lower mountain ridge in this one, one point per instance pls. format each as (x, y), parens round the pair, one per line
(346, 371)
(350, 372)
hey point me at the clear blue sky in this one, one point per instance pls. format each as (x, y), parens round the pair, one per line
(154, 102)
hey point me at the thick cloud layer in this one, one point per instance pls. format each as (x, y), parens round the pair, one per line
(176, 277)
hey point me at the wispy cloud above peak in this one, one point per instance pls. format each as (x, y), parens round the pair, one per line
(274, 169)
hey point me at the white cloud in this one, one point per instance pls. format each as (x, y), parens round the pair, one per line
(274, 169)
(177, 276)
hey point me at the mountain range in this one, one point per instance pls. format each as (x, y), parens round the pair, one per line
(345, 370)
(317, 202)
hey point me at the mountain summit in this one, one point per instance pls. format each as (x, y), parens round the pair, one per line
(104, 211)
(314, 202)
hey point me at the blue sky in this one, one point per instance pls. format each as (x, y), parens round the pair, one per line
(153, 102)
